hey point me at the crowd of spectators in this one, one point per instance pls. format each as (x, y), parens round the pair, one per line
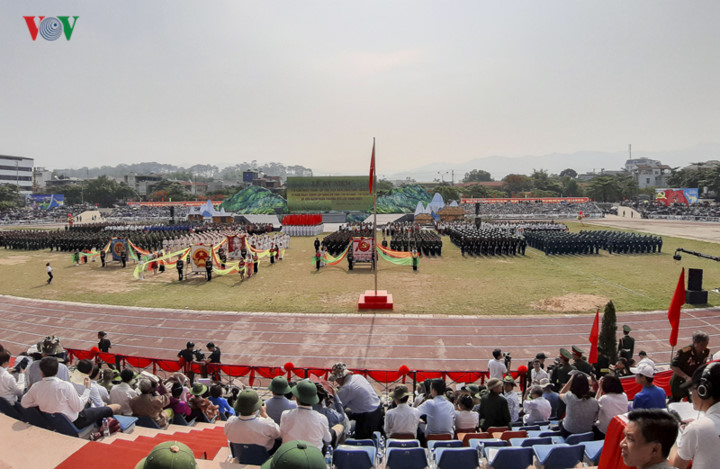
(534, 209)
(696, 212)
(36, 215)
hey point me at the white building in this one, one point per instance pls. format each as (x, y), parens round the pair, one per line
(17, 170)
(647, 172)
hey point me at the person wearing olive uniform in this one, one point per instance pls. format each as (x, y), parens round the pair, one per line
(626, 345)
(208, 269)
(561, 373)
(579, 362)
(180, 265)
(685, 362)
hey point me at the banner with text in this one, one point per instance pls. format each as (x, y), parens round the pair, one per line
(323, 194)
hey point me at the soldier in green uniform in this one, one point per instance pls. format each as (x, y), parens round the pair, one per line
(561, 373)
(626, 345)
(685, 362)
(580, 362)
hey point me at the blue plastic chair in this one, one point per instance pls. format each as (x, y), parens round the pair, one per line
(126, 423)
(354, 457)
(179, 419)
(593, 451)
(509, 457)
(559, 456)
(549, 433)
(147, 422)
(249, 454)
(393, 443)
(456, 458)
(406, 458)
(525, 442)
(433, 444)
(61, 424)
(11, 410)
(530, 427)
(487, 443)
(363, 442)
(576, 438)
(33, 416)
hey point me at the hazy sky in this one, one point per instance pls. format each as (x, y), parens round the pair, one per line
(310, 82)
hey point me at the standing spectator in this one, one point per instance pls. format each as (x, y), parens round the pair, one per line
(402, 418)
(494, 410)
(537, 408)
(685, 362)
(11, 388)
(644, 358)
(304, 423)
(651, 396)
(581, 408)
(122, 393)
(512, 398)
(612, 401)
(561, 373)
(699, 441)
(252, 425)
(496, 366)
(439, 412)
(187, 356)
(537, 373)
(278, 403)
(649, 436)
(49, 272)
(360, 400)
(104, 343)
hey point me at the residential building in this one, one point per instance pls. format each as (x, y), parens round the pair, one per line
(17, 170)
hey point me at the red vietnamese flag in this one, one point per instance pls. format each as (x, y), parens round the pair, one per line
(594, 337)
(678, 300)
(372, 168)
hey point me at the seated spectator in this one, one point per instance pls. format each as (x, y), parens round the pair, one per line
(177, 405)
(169, 455)
(331, 407)
(512, 398)
(551, 396)
(361, 402)
(537, 408)
(402, 418)
(465, 418)
(303, 423)
(612, 401)
(494, 411)
(85, 369)
(34, 374)
(296, 454)
(122, 393)
(278, 403)
(106, 378)
(649, 436)
(11, 388)
(651, 396)
(199, 404)
(252, 425)
(216, 398)
(438, 411)
(644, 359)
(53, 395)
(581, 409)
(151, 402)
(621, 368)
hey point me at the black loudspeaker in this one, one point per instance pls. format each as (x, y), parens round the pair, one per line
(695, 279)
(477, 208)
(694, 297)
(172, 211)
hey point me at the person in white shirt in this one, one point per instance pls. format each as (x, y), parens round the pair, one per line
(11, 388)
(122, 393)
(537, 408)
(53, 395)
(465, 418)
(402, 418)
(512, 398)
(304, 423)
(438, 411)
(496, 366)
(537, 373)
(85, 368)
(360, 400)
(644, 359)
(699, 441)
(612, 400)
(252, 425)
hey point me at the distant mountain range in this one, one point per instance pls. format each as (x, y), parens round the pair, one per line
(581, 161)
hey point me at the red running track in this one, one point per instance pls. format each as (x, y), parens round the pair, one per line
(364, 341)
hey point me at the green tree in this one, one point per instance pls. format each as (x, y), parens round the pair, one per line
(568, 172)
(569, 187)
(605, 189)
(514, 183)
(476, 191)
(477, 175)
(607, 339)
(9, 197)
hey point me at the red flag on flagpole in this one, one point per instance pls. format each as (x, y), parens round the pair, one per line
(678, 300)
(372, 168)
(594, 337)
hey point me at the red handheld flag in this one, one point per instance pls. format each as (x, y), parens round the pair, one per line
(594, 337)
(678, 300)
(372, 168)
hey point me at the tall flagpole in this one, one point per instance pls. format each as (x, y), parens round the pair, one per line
(375, 255)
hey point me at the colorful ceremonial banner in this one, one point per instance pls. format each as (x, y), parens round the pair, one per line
(167, 259)
(328, 193)
(199, 254)
(395, 257)
(330, 260)
(362, 249)
(117, 245)
(676, 196)
(235, 244)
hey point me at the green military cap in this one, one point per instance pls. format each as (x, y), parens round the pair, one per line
(509, 380)
(626, 328)
(296, 454)
(565, 353)
(169, 454)
(577, 350)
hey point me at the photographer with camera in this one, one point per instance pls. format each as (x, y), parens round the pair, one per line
(187, 356)
(497, 367)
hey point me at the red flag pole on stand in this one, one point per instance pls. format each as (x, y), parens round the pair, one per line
(373, 191)
(594, 337)
(678, 300)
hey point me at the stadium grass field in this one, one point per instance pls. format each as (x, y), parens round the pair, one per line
(505, 285)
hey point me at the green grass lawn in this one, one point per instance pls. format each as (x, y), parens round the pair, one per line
(530, 284)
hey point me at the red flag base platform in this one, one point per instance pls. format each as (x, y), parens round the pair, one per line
(370, 300)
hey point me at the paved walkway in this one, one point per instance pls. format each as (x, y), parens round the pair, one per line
(310, 340)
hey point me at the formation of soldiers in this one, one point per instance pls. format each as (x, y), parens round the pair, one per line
(486, 240)
(336, 242)
(426, 242)
(590, 242)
